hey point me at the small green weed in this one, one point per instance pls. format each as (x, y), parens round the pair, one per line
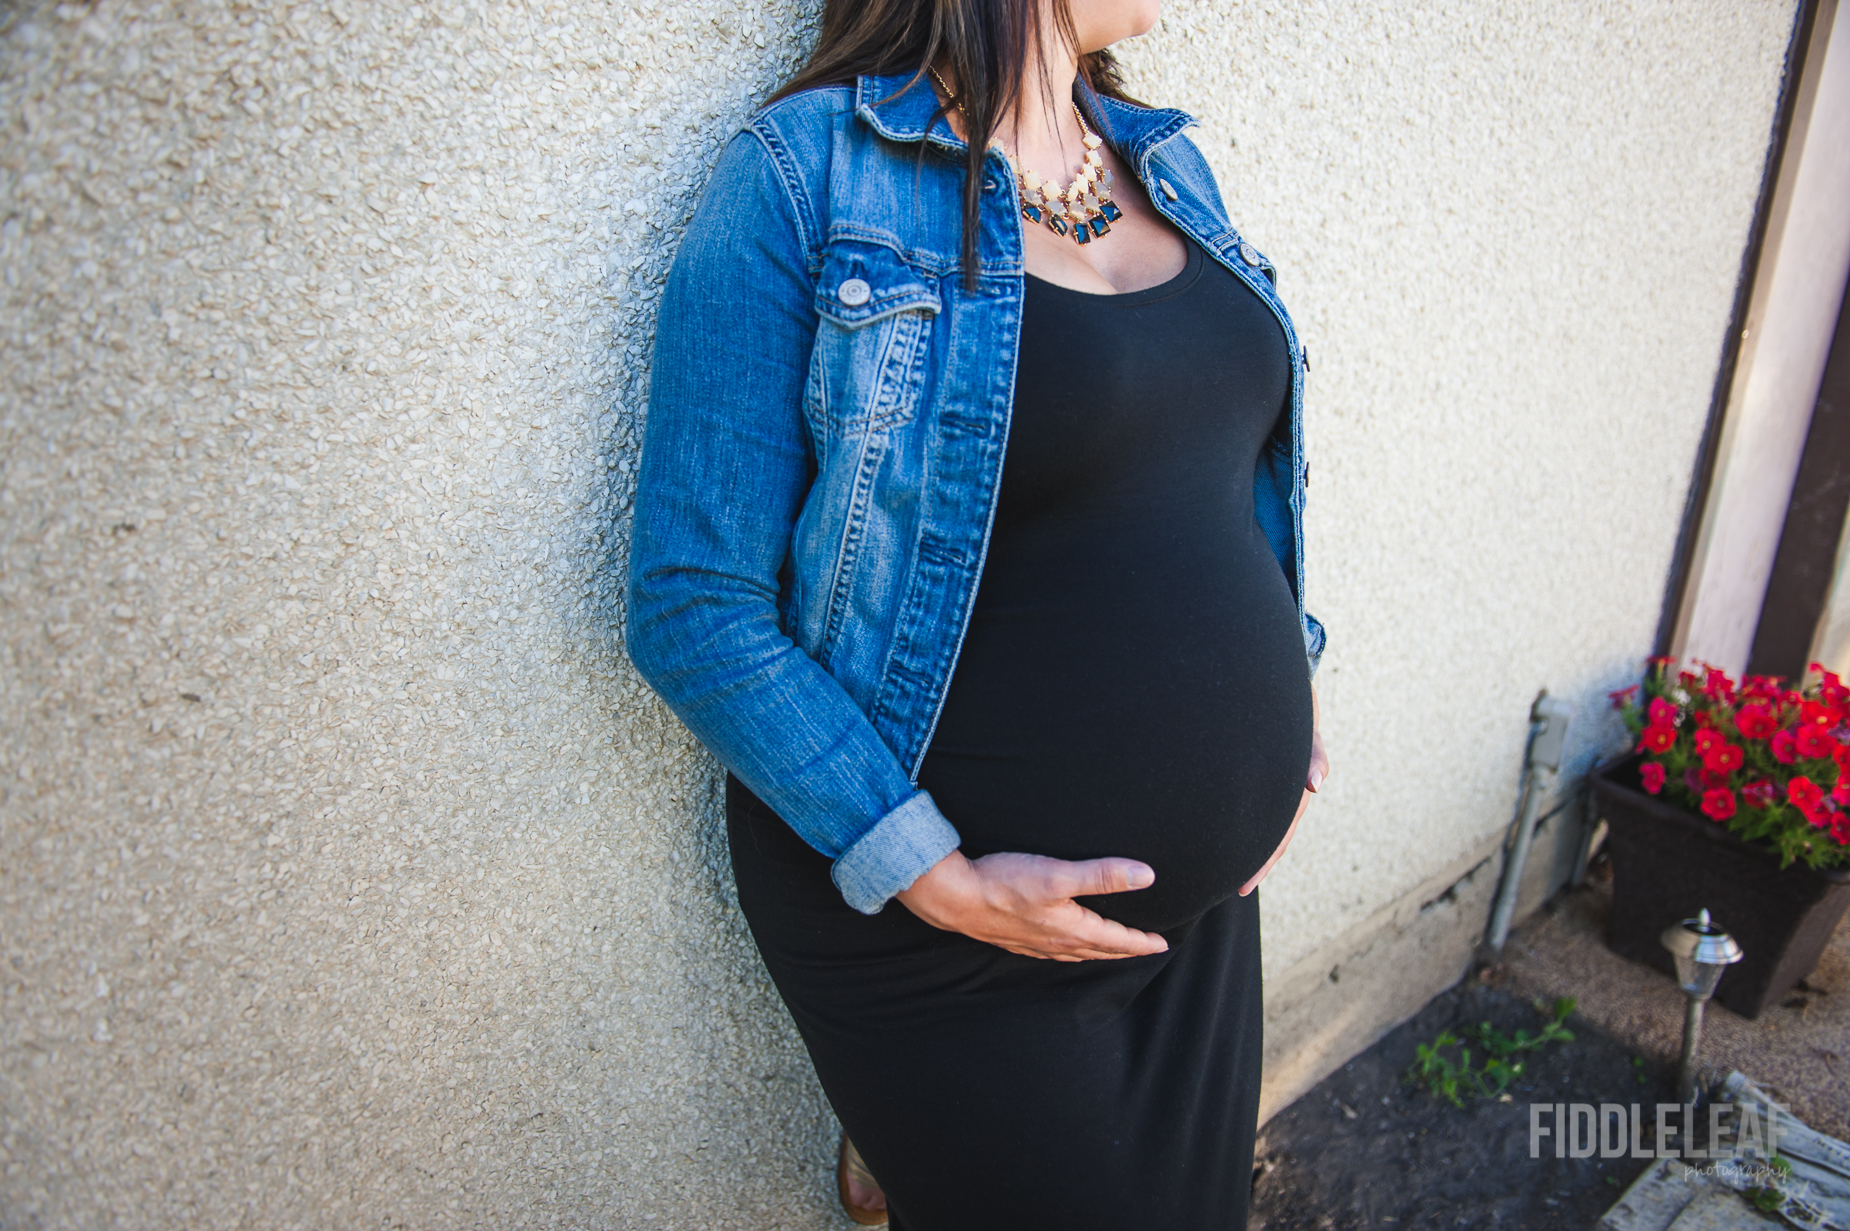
(1772, 1198)
(1455, 1079)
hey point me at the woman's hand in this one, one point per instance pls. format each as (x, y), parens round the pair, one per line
(1024, 903)
(1319, 770)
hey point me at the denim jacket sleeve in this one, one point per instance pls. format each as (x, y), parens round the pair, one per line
(726, 465)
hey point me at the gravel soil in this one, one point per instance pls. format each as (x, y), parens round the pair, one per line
(1367, 1149)
(1798, 1049)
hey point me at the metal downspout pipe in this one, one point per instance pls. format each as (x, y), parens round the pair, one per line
(1548, 719)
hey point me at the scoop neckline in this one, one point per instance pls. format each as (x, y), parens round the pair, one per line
(1191, 270)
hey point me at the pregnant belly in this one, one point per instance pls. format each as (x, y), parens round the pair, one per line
(1177, 733)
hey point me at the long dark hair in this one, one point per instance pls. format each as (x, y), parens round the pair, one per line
(986, 43)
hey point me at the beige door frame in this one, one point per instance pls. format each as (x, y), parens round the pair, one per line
(1791, 316)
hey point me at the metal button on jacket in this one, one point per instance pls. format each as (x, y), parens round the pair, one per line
(1248, 253)
(1169, 189)
(854, 292)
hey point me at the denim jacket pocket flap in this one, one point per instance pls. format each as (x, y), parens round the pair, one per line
(861, 283)
(867, 370)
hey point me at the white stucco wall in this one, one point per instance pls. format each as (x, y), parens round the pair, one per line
(348, 876)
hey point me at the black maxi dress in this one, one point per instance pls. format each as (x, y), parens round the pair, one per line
(1133, 682)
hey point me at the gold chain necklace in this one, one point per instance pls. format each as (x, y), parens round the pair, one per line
(1084, 208)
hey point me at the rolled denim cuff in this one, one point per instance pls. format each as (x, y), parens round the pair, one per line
(902, 846)
(1314, 640)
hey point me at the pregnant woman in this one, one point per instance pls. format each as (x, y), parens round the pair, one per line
(969, 538)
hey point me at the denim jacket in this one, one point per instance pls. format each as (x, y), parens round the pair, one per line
(827, 419)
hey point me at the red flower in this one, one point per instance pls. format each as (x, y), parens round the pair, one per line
(1784, 750)
(1756, 722)
(1817, 714)
(1841, 792)
(1760, 794)
(1842, 756)
(1814, 742)
(1718, 687)
(1653, 775)
(1661, 712)
(1830, 687)
(1761, 687)
(1708, 738)
(1703, 720)
(1621, 697)
(1657, 738)
(1804, 795)
(1840, 829)
(1723, 758)
(1718, 804)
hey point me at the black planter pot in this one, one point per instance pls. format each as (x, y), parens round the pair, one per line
(1669, 863)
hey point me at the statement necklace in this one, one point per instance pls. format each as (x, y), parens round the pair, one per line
(1084, 208)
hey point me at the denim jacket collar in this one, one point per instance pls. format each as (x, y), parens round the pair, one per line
(899, 114)
(1135, 132)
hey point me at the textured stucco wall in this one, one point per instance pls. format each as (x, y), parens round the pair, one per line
(348, 876)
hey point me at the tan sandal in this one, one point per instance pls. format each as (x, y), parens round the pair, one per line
(848, 1162)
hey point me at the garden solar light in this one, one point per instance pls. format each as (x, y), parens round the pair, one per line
(1702, 952)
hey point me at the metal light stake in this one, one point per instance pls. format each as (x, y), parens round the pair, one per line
(1702, 952)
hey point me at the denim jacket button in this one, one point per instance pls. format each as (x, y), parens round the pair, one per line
(1248, 253)
(854, 292)
(1169, 189)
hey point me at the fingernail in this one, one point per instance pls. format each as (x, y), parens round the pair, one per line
(1141, 877)
(1316, 779)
